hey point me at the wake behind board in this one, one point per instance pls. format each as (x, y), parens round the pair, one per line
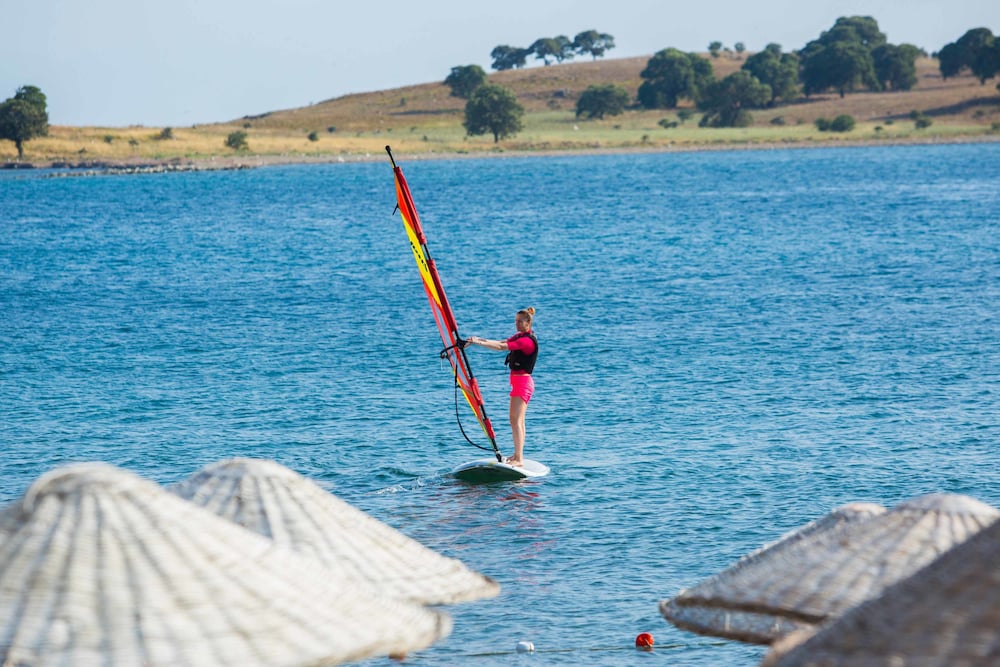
(487, 470)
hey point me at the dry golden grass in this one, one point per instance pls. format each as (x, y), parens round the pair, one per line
(425, 119)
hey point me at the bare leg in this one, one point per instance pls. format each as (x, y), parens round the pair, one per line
(518, 408)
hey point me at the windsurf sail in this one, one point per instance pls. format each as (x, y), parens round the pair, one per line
(454, 345)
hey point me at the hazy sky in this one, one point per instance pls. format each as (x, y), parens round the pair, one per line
(178, 63)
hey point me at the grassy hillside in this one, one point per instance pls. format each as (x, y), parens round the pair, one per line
(425, 119)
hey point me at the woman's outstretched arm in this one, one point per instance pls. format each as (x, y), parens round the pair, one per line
(498, 345)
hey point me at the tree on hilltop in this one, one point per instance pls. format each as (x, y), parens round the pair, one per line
(672, 74)
(558, 48)
(464, 79)
(493, 108)
(714, 48)
(509, 57)
(24, 117)
(593, 42)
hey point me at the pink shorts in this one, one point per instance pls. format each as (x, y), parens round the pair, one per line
(522, 386)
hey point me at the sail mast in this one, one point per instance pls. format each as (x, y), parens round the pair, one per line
(454, 345)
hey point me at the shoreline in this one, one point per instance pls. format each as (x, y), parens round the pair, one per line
(252, 161)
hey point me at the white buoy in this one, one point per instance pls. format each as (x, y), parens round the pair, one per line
(525, 647)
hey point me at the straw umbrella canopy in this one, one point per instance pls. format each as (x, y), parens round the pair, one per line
(690, 610)
(826, 572)
(98, 566)
(945, 615)
(278, 503)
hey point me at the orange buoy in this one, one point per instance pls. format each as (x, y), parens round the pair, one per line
(644, 641)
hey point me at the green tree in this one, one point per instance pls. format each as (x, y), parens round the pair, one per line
(714, 48)
(24, 117)
(599, 101)
(545, 48)
(725, 102)
(895, 65)
(593, 42)
(739, 47)
(842, 57)
(843, 66)
(978, 50)
(564, 48)
(861, 29)
(951, 60)
(493, 108)
(977, 47)
(778, 70)
(509, 57)
(559, 48)
(670, 75)
(464, 79)
(237, 140)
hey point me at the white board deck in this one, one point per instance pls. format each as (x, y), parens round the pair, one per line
(484, 471)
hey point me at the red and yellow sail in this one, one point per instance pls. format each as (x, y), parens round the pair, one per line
(443, 314)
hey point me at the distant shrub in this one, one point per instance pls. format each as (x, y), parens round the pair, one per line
(133, 142)
(666, 123)
(237, 140)
(331, 129)
(108, 138)
(778, 120)
(165, 134)
(995, 126)
(842, 123)
(247, 126)
(923, 122)
(878, 129)
(313, 136)
(684, 115)
(889, 121)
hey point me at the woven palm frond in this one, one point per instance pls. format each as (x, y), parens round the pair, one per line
(99, 566)
(295, 512)
(802, 581)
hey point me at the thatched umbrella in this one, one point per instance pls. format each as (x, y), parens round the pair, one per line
(825, 572)
(99, 566)
(944, 615)
(278, 503)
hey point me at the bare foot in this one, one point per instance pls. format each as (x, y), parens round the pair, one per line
(510, 460)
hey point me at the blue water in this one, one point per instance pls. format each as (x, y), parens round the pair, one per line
(732, 344)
